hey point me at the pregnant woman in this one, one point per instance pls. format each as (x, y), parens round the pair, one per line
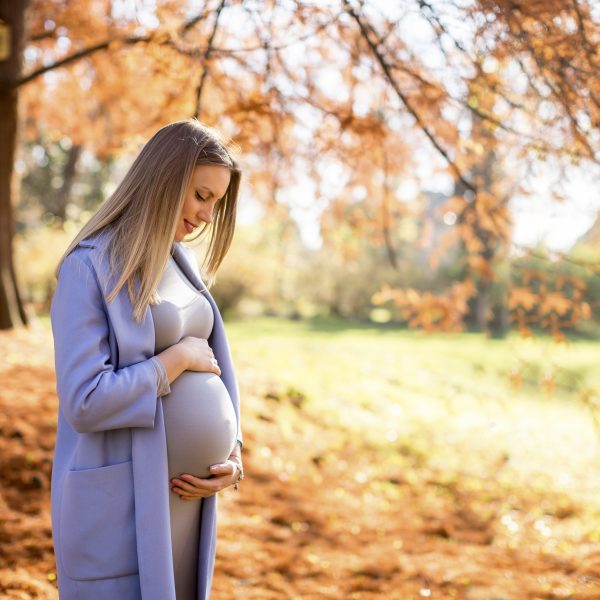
(149, 413)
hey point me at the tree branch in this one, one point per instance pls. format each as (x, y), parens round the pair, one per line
(78, 56)
(206, 58)
(404, 99)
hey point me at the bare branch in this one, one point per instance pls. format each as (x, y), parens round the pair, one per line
(159, 38)
(79, 55)
(206, 58)
(404, 99)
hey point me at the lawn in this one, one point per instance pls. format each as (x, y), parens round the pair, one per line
(464, 401)
(379, 463)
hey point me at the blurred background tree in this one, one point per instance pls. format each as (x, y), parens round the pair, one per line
(338, 108)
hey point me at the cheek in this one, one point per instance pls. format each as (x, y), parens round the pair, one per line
(189, 207)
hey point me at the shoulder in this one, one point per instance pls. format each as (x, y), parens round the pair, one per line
(97, 239)
(77, 282)
(79, 259)
(85, 256)
(81, 265)
(77, 276)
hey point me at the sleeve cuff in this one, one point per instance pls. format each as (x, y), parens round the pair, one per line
(163, 387)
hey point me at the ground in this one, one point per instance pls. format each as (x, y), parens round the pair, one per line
(352, 491)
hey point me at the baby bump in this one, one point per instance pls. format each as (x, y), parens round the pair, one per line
(200, 423)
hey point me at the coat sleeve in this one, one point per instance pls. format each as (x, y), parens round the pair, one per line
(93, 395)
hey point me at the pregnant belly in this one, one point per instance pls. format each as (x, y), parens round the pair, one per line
(200, 423)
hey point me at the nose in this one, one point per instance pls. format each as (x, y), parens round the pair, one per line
(207, 214)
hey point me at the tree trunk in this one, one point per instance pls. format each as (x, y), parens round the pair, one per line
(501, 322)
(63, 194)
(12, 16)
(482, 305)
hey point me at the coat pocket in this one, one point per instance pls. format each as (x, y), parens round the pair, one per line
(97, 521)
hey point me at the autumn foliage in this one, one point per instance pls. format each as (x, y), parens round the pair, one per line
(356, 98)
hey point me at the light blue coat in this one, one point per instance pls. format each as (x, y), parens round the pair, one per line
(110, 485)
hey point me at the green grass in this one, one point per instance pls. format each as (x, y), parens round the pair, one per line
(448, 394)
(445, 397)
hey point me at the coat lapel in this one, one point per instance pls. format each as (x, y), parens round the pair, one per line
(184, 264)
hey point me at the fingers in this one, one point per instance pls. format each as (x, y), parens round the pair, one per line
(190, 483)
(227, 468)
(214, 363)
(190, 487)
(202, 356)
(187, 491)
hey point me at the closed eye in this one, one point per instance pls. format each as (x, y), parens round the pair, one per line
(199, 197)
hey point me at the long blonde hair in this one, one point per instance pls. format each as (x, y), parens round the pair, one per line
(141, 214)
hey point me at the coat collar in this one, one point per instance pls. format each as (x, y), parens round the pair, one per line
(183, 261)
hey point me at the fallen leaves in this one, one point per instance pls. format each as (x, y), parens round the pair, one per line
(321, 513)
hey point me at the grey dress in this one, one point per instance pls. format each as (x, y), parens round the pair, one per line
(200, 421)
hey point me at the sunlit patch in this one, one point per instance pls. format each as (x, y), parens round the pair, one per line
(265, 452)
(543, 527)
(360, 477)
(396, 409)
(509, 523)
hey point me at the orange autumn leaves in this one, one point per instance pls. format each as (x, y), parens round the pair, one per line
(343, 97)
(553, 302)
(429, 311)
(537, 298)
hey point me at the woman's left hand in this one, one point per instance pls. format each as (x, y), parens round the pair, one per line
(224, 474)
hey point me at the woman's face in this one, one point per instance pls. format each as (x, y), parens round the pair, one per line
(207, 186)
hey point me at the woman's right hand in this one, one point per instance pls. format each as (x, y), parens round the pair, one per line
(199, 355)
